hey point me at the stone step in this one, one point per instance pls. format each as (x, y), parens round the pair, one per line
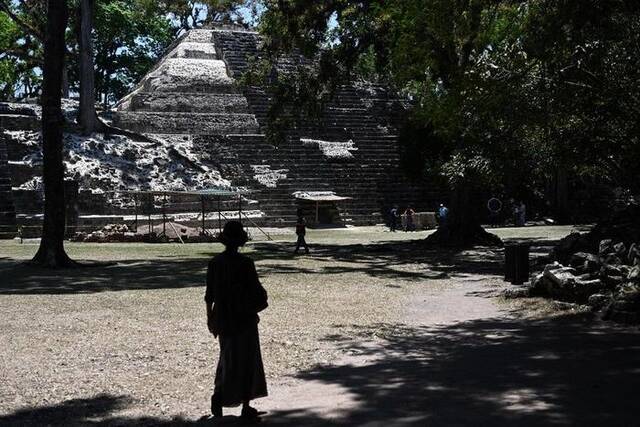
(195, 50)
(189, 102)
(357, 148)
(204, 123)
(303, 151)
(189, 75)
(21, 172)
(312, 152)
(19, 122)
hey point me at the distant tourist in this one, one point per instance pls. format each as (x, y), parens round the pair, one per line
(301, 231)
(443, 216)
(234, 296)
(409, 214)
(494, 205)
(522, 214)
(515, 210)
(394, 216)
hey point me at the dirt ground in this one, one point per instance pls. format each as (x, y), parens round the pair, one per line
(370, 329)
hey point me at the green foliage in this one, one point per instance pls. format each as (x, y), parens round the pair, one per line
(8, 74)
(128, 38)
(188, 14)
(589, 67)
(21, 29)
(505, 92)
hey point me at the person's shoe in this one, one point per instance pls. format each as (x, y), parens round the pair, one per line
(216, 407)
(249, 413)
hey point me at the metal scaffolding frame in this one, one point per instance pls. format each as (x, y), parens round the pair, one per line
(207, 194)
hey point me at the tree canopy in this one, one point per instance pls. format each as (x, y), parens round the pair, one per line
(505, 92)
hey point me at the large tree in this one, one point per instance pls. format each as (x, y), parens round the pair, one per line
(87, 117)
(51, 252)
(587, 62)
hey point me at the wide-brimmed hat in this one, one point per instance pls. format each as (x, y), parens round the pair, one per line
(233, 234)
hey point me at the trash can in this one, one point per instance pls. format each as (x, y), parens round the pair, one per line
(516, 263)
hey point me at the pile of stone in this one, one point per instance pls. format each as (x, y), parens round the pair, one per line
(608, 280)
(623, 226)
(169, 232)
(109, 233)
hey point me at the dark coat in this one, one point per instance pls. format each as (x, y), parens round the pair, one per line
(234, 290)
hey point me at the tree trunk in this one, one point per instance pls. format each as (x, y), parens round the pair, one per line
(561, 194)
(107, 82)
(51, 252)
(65, 82)
(87, 116)
(463, 227)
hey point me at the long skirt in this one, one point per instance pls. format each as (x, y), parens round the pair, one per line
(240, 373)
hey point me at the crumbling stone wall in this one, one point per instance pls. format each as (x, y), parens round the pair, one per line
(7, 209)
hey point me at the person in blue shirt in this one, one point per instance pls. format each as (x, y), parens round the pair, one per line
(443, 214)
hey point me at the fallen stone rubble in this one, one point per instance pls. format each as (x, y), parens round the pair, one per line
(109, 233)
(623, 227)
(608, 282)
(170, 232)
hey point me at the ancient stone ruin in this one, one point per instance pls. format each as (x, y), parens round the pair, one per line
(599, 269)
(203, 129)
(351, 150)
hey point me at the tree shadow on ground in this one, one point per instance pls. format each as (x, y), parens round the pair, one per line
(99, 411)
(496, 372)
(492, 372)
(20, 278)
(404, 260)
(385, 260)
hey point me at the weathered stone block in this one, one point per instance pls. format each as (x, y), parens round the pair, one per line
(598, 301)
(180, 123)
(189, 102)
(19, 122)
(585, 262)
(605, 247)
(634, 274)
(188, 75)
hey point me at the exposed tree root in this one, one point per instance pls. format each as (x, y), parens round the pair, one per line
(52, 258)
(463, 237)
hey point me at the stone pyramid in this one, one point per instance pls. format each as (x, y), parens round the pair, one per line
(352, 150)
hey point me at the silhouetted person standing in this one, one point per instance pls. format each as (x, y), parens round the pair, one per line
(521, 214)
(301, 232)
(394, 216)
(234, 297)
(411, 226)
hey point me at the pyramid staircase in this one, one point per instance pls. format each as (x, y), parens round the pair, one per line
(372, 177)
(13, 117)
(193, 91)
